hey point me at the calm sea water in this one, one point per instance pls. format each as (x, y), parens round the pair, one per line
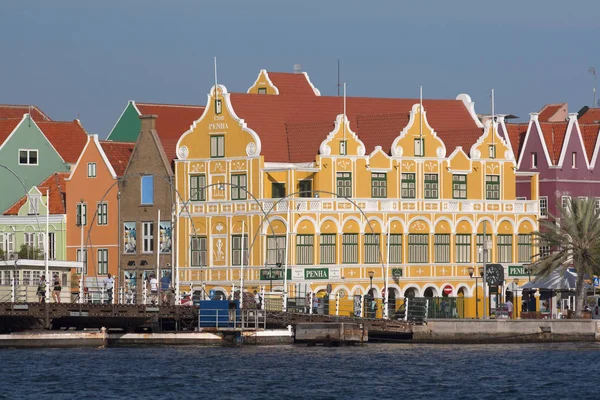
(374, 371)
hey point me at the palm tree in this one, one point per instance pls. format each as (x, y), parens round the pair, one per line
(575, 240)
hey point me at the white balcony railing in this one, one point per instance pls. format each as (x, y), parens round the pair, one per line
(304, 205)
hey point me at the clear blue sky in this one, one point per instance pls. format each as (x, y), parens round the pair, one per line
(88, 58)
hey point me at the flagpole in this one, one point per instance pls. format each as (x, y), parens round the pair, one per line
(46, 245)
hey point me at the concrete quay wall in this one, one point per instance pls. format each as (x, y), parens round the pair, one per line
(506, 331)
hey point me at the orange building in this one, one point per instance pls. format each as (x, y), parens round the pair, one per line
(93, 208)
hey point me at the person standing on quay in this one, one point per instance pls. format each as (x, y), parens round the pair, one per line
(165, 286)
(56, 288)
(41, 289)
(509, 308)
(109, 284)
(154, 289)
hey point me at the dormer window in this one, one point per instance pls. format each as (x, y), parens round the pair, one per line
(34, 204)
(262, 90)
(419, 147)
(492, 151)
(28, 157)
(92, 170)
(574, 159)
(343, 150)
(533, 160)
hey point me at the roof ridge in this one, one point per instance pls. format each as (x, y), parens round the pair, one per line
(114, 142)
(137, 103)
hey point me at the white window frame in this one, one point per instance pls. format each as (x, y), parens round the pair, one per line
(81, 214)
(564, 201)
(534, 160)
(82, 259)
(29, 152)
(34, 204)
(148, 237)
(51, 246)
(419, 147)
(102, 213)
(102, 261)
(29, 239)
(343, 147)
(217, 146)
(574, 160)
(91, 170)
(543, 206)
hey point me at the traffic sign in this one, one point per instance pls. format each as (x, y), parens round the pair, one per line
(596, 281)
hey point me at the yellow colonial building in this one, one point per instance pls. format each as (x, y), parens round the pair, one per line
(363, 194)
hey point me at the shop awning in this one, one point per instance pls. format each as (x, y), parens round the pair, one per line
(556, 280)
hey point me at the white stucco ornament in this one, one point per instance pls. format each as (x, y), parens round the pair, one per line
(251, 149)
(183, 152)
(440, 152)
(361, 150)
(398, 151)
(325, 150)
(476, 155)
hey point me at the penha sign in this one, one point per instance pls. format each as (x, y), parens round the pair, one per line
(316, 273)
(516, 270)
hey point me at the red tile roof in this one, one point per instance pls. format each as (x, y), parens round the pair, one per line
(291, 128)
(554, 135)
(589, 134)
(591, 116)
(55, 183)
(6, 128)
(291, 84)
(118, 154)
(18, 110)
(516, 134)
(173, 120)
(548, 111)
(68, 138)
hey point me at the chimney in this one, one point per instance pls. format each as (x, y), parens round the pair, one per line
(297, 68)
(148, 121)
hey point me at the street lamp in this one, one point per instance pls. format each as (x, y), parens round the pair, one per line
(516, 304)
(471, 273)
(371, 275)
(371, 297)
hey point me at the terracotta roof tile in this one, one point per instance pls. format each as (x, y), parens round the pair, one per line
(292, 127)
(6, 127)
(173, 120)
(55, 183)
(516, 134)
(589, 133)
(591, 116)
(548, 111)
(118, 154)
(291, 84)
(68, 138)
(554, 135)
(18, 110)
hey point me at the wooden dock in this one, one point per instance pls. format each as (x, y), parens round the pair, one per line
(330, 333)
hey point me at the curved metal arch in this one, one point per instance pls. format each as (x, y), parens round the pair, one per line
(24, 190)
(184, 205)
(339, 197)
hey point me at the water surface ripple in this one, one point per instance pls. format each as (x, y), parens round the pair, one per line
(375, 371)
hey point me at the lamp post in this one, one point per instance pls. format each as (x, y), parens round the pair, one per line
(372, 298)
(471, 273)
(516, 303)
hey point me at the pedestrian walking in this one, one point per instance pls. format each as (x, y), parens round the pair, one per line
(315, 303)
